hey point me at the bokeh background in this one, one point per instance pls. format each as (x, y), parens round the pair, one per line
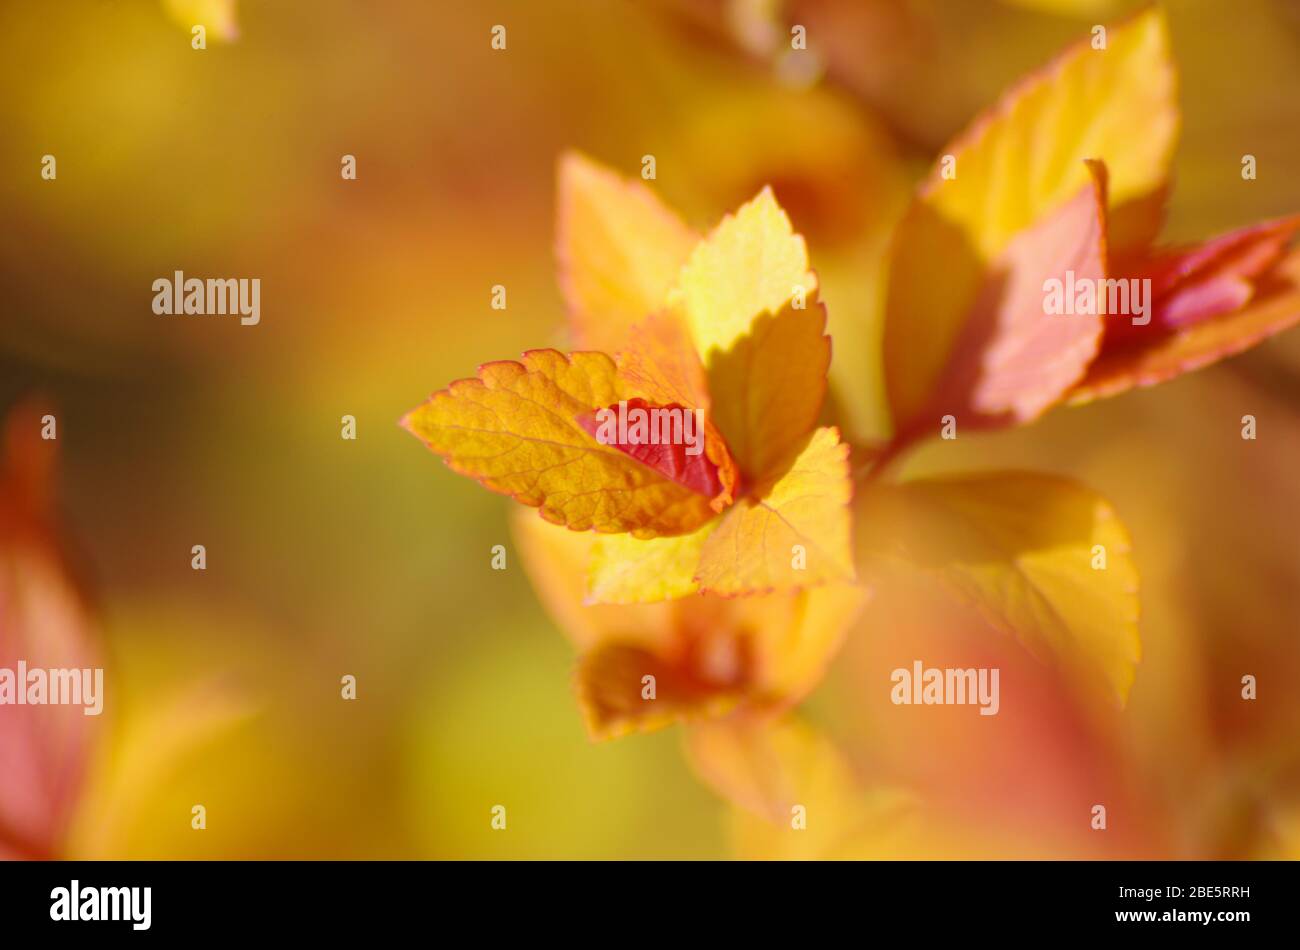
(329, 557)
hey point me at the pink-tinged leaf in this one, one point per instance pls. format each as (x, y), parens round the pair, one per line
(44, 623)
(1158, 357)
(1197, 283)
(1013, 359)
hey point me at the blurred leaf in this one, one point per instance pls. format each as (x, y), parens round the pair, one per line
(619, 250)
(44, 621)
(1236, 313)
(558, 562)
(614, 682)
(152, 743)
(779, 774)
(707, 653)
(1025, 550)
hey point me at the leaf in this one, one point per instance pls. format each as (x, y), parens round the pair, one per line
(626, 570)
(515, 428)
(761, 653)
(45, 622)
(709, 654)
(1024, 156)
(666, 452)
(795, 638)
(1020, 548)
(661, 365)
(611, 686)
(1197, 283)
(619, 251)
(1013, 358)
(769, 386)
(659, 362)
(769, 771)
(151, 744)
(1016, 164)
(752, 262)
(753, 548)
(1198, 345)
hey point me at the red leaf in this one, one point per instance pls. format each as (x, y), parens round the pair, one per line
(669, 459)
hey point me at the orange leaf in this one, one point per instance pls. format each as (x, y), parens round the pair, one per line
(758, 652)
(619, 251)
(515, 428)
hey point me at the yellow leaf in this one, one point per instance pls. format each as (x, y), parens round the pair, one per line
(619, 251)
(752, 262)
(1043, 559)
(1017, 163)
(1025, 156)
(626, 570)
(793, 532)
(768, 387)
(152, 742)
(515, 429)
